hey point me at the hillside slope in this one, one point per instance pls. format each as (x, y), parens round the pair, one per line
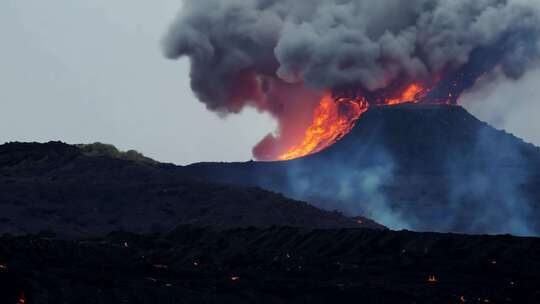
(56, 188)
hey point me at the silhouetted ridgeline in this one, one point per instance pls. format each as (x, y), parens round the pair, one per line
(421, 167)
(55, 188)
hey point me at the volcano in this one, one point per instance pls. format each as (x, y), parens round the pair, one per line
(416, 166)
(321, 67)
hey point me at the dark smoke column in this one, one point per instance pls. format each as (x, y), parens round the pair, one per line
(281, 56)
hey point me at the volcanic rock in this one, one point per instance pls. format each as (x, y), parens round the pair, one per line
(275, 265)
(59, 189)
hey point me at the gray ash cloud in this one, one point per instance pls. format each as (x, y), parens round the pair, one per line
(238, 48)
(281, 56)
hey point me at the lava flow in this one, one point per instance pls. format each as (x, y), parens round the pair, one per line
(411, 94)
(334, 118)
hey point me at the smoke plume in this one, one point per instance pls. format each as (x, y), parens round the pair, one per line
(280, 56)
(354, 190)
(494, 196)
(507, 104)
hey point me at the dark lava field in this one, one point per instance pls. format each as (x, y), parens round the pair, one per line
(273, 265)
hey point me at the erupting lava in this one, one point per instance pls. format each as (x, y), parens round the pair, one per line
(332, 119)
(411, 94)
(335, 117)
(434, 53)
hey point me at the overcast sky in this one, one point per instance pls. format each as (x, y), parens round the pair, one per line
(86, 71)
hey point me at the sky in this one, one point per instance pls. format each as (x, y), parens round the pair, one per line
(88, 71)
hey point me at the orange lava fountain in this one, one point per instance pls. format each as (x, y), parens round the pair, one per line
(335, 118)
(410, 94)
(332, 119)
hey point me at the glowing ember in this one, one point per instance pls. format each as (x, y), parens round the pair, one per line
(332, 119)
(22, 298)
(235, 279)
(433, 279)
(3, 267)
(161, 266)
